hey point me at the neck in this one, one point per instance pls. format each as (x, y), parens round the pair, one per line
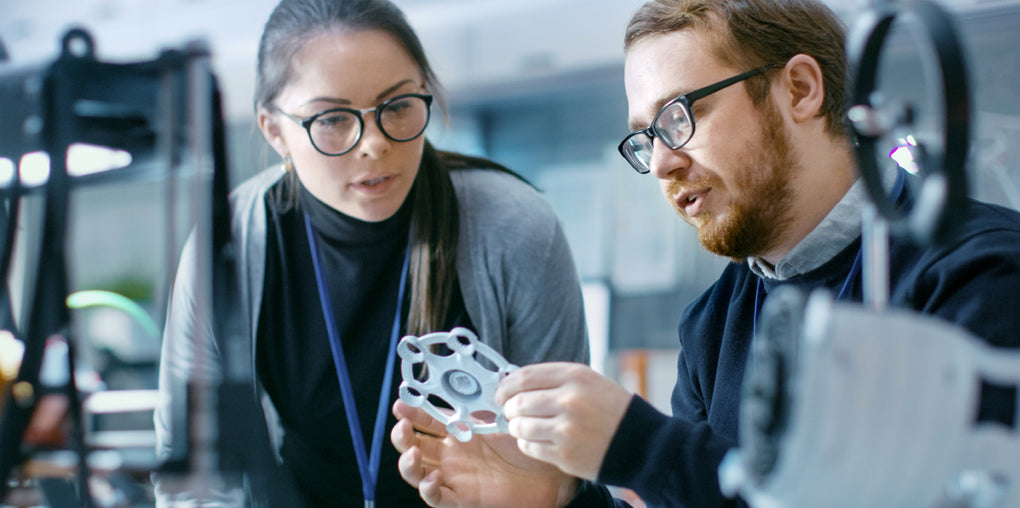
(817, 187)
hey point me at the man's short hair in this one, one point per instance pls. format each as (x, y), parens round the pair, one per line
(757, 33)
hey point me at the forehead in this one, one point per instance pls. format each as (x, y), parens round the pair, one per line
(350, 65)
(663, 66)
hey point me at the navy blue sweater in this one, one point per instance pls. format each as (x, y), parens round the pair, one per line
(673, 461)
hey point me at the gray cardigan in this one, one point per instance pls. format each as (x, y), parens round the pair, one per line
(516, 272)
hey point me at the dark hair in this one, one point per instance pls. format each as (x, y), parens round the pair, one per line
(295, 22)
(753, 33)
(434, 214)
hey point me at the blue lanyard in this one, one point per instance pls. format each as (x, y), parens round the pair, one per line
(368, 465)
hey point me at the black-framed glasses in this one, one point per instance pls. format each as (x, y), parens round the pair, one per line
(336, 131)
(674, 123)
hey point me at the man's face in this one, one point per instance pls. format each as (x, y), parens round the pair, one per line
(731, 181)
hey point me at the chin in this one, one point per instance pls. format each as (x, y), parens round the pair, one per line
(376, 212)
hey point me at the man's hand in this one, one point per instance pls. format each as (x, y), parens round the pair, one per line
(563, 413)
(487, 471)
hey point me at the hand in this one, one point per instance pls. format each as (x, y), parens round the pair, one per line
(563, 413)
(487, 471)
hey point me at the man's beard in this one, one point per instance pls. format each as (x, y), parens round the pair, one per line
(762, 197)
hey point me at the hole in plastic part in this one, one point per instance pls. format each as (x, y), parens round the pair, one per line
(460, 430)
(484, 417)
(411, 396)
(485, 363)
(439, 402)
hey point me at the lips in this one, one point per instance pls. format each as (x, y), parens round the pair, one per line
(373, 181)
(690, 202)
(374, 184)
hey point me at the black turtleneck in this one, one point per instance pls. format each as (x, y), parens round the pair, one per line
(361, 262)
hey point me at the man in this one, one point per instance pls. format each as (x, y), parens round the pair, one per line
(767, 179)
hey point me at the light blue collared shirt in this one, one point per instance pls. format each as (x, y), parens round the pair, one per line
(836, 231)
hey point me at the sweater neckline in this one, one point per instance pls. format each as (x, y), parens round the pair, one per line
(338, 227)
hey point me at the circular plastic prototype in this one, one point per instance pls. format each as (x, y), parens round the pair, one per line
(464, 378)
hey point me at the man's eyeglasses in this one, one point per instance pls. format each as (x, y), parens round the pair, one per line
(337, 131)
(674, 123)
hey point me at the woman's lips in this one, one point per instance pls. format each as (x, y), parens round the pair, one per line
(374, 185)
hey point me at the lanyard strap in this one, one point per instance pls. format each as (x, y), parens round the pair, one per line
(367, 465)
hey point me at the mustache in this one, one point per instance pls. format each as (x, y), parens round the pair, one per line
(683, 182)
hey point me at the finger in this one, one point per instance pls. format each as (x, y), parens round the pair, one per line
(533, 429)
(412, 469)
(422, 421)
(431, 449)
(534, 403)
(539, 376)
(539, 450)
(403, 436)
(434, 494)
(428, 447)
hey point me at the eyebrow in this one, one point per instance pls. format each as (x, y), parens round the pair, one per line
(633, 127)
(347, 102)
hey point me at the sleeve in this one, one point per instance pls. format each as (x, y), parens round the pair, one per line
(188, 352)
(975, 287)
(687, 402)
(516, 270)
(668, 461)
(546, 320)
(593, 495)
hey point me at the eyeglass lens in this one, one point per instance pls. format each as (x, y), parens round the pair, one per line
(401, 119)
(672, 125)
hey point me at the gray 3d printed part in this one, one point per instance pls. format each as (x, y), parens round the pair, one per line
(459, 377)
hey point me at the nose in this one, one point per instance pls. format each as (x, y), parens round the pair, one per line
(666, 163)
(374, 143)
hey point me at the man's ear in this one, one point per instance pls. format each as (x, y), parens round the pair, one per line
(804, 87)
(269, 124)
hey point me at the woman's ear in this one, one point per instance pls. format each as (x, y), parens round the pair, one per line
(269, 124)
(803, 80)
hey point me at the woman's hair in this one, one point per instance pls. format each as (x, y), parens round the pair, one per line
(754, 33)
(434, 214)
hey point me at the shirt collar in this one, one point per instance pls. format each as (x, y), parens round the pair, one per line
(836, 231)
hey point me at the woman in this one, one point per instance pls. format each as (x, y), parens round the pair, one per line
(366, 233)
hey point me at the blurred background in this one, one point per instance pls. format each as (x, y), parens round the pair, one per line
(534, 84)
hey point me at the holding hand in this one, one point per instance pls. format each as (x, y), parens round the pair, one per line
(487, 471)
(563, 413)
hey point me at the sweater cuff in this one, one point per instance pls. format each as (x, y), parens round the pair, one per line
(626, 455)
(593, 495)
(666, 460)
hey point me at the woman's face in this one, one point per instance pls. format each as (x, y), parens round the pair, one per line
(357, 70)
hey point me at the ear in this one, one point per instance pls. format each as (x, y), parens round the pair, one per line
(269, 124)
(804, 87)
